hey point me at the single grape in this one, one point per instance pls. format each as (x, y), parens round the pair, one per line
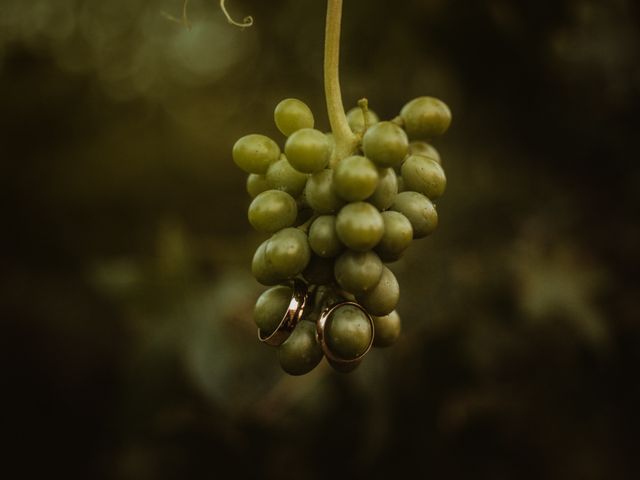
(425, 117)
(383, 298)
(358, 272)
(256, 184)
(254, 153)
(261, 270)
(387, 329)
(385, 194)
(425, 149)
(385, 144)
(419, 210)
(424, 175)
(319, 271)
(360, 226)
(320, 193)
(282, 176)
(301, 352)
(323, 237)
(272, 210)
(292, 115)
(288, 252)
(398, 234)
(308, 150)
(271, 307)
(348, 332)
(355, 178)
(355, 118)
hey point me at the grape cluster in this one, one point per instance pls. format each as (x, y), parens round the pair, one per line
(333, 223)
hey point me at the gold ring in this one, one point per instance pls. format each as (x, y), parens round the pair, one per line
(321, 324)
(291, 317)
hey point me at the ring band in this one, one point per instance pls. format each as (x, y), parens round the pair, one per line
(291, 317)
(322, 322)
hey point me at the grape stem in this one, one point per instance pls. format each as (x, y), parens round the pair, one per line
(345, 140)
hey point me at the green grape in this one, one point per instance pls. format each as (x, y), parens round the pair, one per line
(261, 270)
(355, 118)
(348, 332)
(387, 329)
(419, 210)
(385, 194)
(425, 149)
(282, 176)
(424, 175)
(292, 115)
(271, 307)
(301, 352)
(321, 195)
(360, 226)
(323, 237)
(288, 252)
(385, 144)
(425, 117)
(254, 153)
(398, 234)
(272, 210)
(308, 150)
(319, 271)
(383, 298)
(355, 178)
(344, 367)
(256, 184)
(358, 272)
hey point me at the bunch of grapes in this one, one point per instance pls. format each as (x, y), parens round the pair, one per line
(333, 223)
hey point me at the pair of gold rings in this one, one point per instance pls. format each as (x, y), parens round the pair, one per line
(299, 307)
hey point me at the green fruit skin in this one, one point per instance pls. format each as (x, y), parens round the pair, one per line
(319, 271)
(272, 210)
(260, 269)
(398, 234)
(385, 193)
(355, 178)
(287, 253)
(425, 149)
(385, 144)
(282, 176)
(387, 329)
(383, 298)
(254, 153)
(320, 193)
(323, 237)
(271, 307)
(344, 367)
(424, 175)
(256, 184)
(301, 352)
(419, 210)
(358, 272)
(292, 115)
(308, 150)
(360, 226)
(425, 118)
(355, 118)
(348, 332)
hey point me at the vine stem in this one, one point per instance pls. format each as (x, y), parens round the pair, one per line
(345, 140)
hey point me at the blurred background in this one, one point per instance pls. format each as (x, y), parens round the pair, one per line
(126, 296)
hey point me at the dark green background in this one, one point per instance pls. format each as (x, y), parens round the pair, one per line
(128, 344)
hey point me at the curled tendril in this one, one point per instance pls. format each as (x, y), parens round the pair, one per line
(184, 21)
(246, 21)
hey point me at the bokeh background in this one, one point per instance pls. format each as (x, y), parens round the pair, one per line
(126, 297)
